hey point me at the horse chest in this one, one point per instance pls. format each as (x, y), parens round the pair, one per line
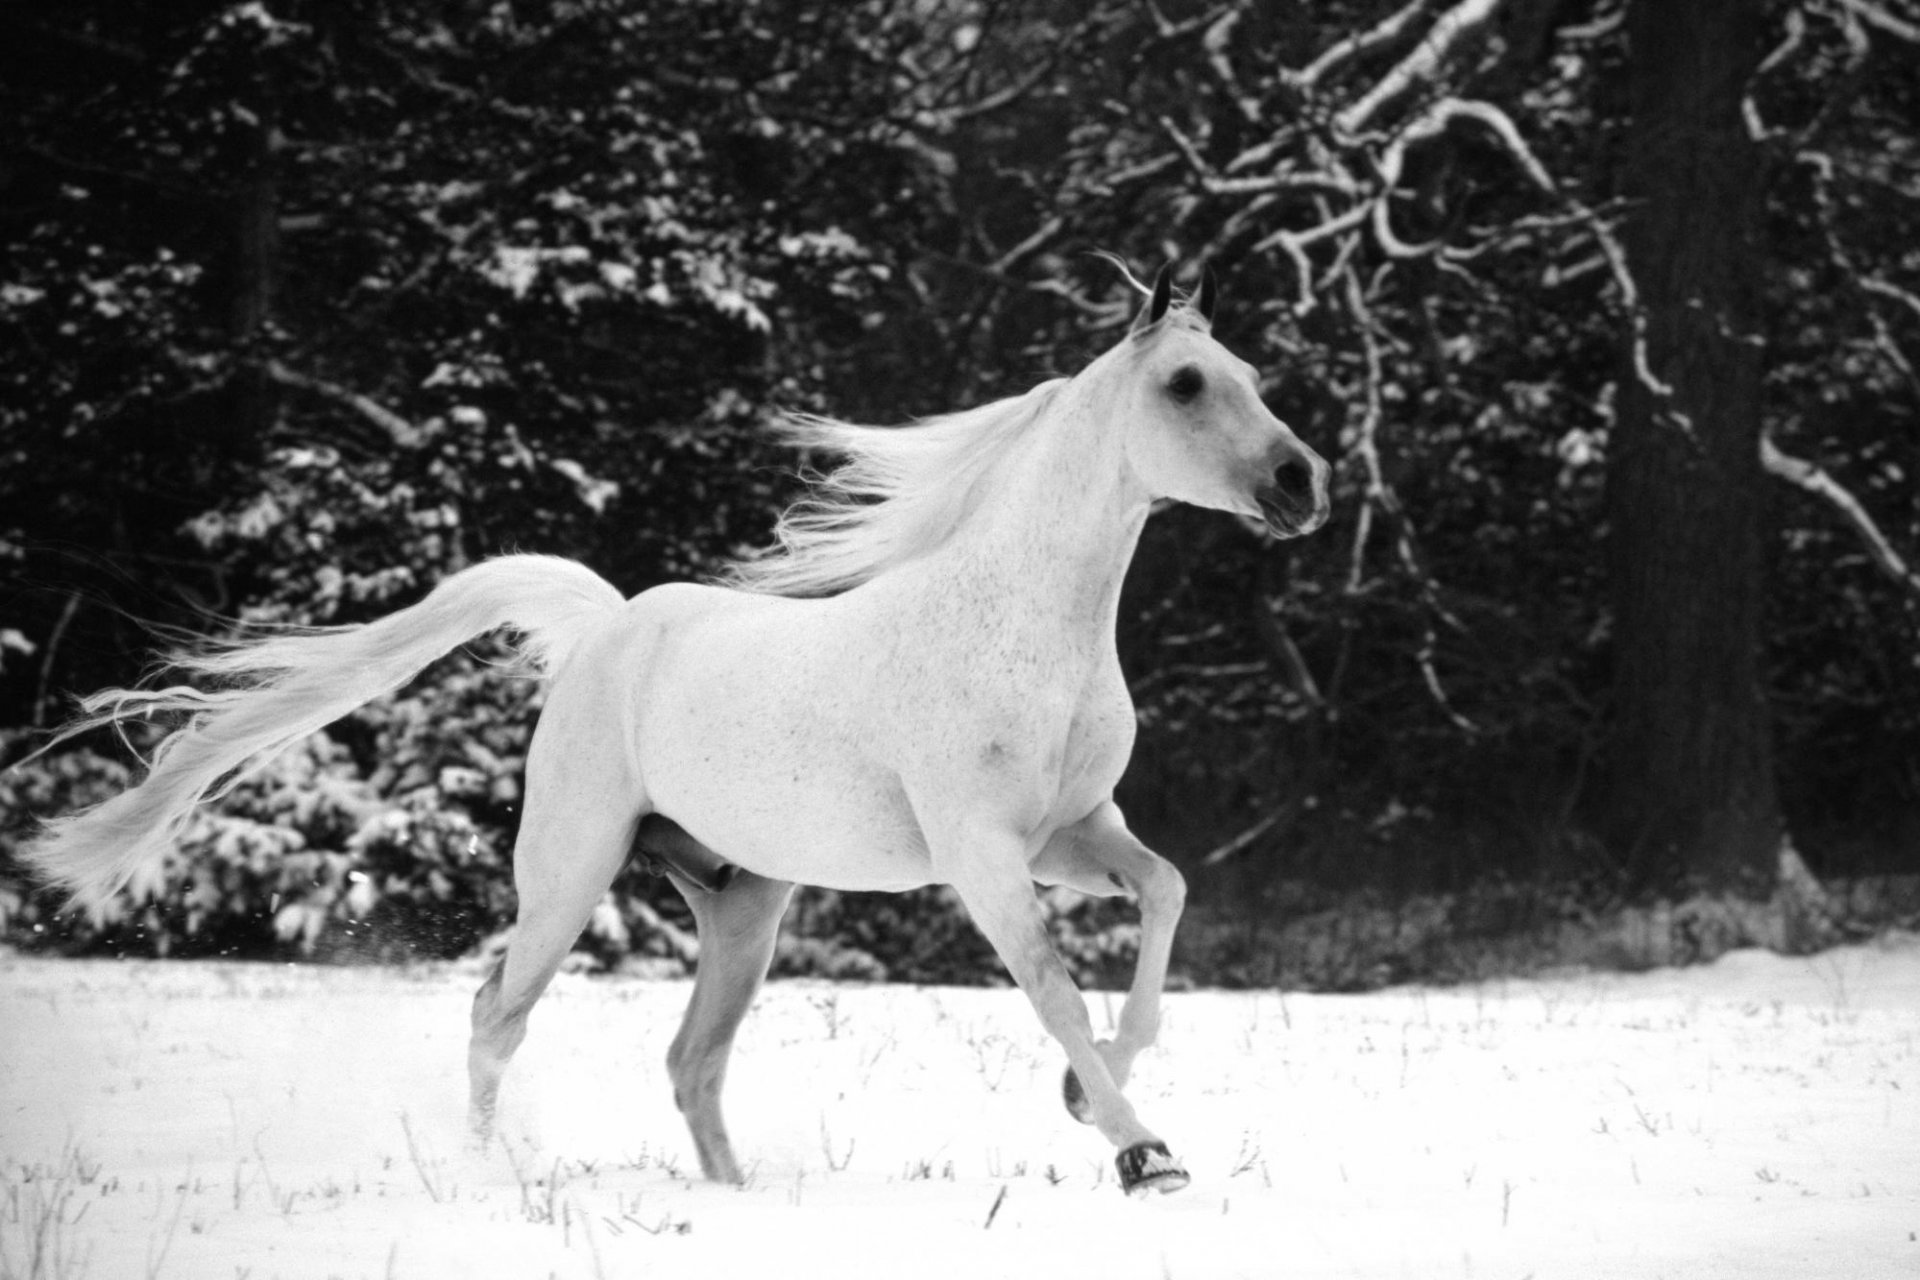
(1062, 745)
(1099, 742)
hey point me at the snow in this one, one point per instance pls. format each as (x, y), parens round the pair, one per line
(1754, 1118)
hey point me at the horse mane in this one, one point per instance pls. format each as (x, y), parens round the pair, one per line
(898, 493)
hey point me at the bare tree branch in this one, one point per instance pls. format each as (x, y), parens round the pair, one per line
(1435, 119)
(1905, 297)
(1359, 45)
(1796, 24)
(1294, 243)
(1226, 850)
(1422, 66)
(942, 119)
(1877, 16)
(1616, 257)
(1823, 169)
(1216, 41)
(1380, 495)
(1296, 252)
(1133, 173)
(1167, 29)
(1818, 482)
(1598, 28)
(398, 429)
(1365, 444)
(1431, 123)
(1272, 628)
(1040, 239)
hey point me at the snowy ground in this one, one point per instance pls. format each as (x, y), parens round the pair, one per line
(1756, 1118)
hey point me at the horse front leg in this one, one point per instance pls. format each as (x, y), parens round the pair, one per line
(1099, 856)
(989, 870)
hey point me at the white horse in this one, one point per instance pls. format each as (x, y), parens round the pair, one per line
(918, 685)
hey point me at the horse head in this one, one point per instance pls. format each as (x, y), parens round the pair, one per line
(1198, 431)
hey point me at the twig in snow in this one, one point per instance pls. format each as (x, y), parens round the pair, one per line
(419, 1162)
(994, 1211)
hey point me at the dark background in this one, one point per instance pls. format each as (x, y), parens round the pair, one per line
(1607, 314)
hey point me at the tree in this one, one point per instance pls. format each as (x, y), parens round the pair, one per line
(1692, 768)
(307, 304)
(1403, 203)
(304, 304)
(1417, 211)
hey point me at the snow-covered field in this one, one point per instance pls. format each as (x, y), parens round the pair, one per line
(1758, 1117)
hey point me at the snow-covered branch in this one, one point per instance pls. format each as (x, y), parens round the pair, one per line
(1359, 45)
(1431, 123)
(1421, 67)
(1217, 41)
(1818, 482)
(1434, 121)
(1379, 495)
(397, 428)
(1878, 15)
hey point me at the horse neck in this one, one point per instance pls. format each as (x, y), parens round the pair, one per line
(1054, 533)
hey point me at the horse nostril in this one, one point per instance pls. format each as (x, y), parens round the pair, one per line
(1294, 479)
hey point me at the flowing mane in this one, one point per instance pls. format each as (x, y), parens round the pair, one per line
(899, 492)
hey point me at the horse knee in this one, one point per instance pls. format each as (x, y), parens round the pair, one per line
(1162, 886)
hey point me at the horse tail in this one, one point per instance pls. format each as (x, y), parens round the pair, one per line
(288, 685)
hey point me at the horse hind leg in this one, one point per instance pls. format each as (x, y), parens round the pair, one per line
(738, 927)
(575, 835)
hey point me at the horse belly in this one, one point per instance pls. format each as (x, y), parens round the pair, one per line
(814, 825)
(744, 743)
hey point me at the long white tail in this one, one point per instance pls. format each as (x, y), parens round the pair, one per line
(289, 686)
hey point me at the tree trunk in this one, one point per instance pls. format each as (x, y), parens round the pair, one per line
(256, 260)
(1692, 792)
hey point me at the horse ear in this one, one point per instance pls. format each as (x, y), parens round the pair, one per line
(1156, 305)
(1209, 295)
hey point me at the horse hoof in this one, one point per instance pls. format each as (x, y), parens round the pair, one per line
(1075, 1097)
(1147, 1166)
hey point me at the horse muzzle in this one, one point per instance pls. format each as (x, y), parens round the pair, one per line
(1294, 499)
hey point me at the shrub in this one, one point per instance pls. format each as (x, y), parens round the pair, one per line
(386, 836)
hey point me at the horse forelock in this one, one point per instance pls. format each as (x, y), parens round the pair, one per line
(897, 493)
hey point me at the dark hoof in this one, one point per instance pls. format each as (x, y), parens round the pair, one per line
(1147, 1166)
(1076, 1098)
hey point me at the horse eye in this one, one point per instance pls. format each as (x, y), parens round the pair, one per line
(1186, 383)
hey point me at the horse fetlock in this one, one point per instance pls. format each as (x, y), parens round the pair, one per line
(1118, 1060)
(720, 1166)
(1109, 1111)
